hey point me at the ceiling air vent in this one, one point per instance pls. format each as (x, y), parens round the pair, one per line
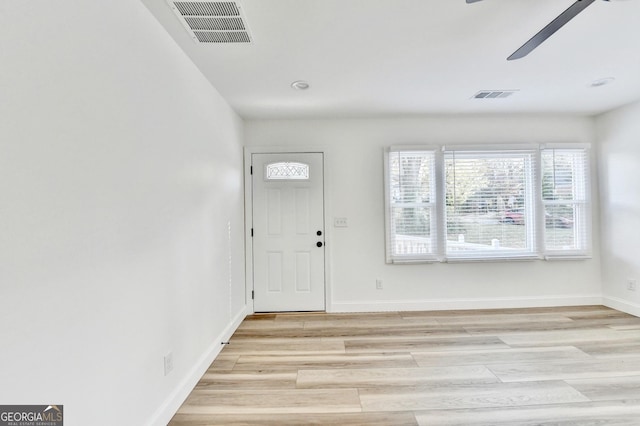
(212, 22)
(494, 94)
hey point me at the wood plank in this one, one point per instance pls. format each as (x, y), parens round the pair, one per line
(296, 346)
(248, 380)
(595, 310)
(424, 344)
(502, 319)
(569, 337)
(297, 362)
(609, 388)
(470, 396)
(565, 370)
(354, 331)
(499, 356)
(223, 362)
(321, 316)
(272, 401)
(621, 322)
(597, 314)
(372, 377)
(373, 322)
(270, 325)
(616, 413)
(634, 326)
(510, 328)
(342, 419)
(611, 349)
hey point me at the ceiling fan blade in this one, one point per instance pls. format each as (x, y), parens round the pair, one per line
(551, 28)
(472, 1)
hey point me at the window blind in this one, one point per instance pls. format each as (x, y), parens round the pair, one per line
(566, 201)
(487, 202)
(490, 204)
(411, 222)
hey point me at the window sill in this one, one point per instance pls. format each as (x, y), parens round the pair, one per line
(490, 259)
(552, 258)
(568, 257)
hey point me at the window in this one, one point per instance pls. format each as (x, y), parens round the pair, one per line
(287, 171)
(474, 204)
(489, 204)
(565, 200)
(411, 201)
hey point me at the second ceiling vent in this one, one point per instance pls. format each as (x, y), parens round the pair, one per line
(494, 94)
(212, 22)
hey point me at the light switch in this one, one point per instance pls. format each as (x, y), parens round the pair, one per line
(340, 222)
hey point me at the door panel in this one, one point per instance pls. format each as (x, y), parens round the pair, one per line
(303, 271)
(288, 213)
(274, 212)
(274, 272)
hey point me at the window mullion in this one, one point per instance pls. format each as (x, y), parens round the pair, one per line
(441, 221)
(539, 215)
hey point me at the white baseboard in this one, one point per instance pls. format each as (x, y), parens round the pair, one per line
(477, 303)
(622, 305)
(171, 405)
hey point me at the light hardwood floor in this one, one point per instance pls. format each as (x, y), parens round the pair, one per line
(542, 366)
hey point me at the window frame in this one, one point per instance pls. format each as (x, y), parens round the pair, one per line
(533, 178)
(528, 154)
(289, 165)
(586, 223)
(434, 255)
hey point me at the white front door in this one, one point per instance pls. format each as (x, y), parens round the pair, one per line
(288, 232)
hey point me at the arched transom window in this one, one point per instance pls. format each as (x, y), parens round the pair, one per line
(287, 170)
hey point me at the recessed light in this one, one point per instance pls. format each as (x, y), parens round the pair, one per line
(601, 81)
(300, 85)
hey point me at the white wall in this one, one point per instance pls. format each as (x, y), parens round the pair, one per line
(355, 191)
(121, 215)
(619, 157)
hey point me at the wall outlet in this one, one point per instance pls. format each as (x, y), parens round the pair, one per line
(631, 285)
(340, 222)
(168, 363)
(379, 284)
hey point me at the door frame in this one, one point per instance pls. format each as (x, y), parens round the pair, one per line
(248, 216)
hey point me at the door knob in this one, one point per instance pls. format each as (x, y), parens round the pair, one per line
(319, 233)
(319, 243)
